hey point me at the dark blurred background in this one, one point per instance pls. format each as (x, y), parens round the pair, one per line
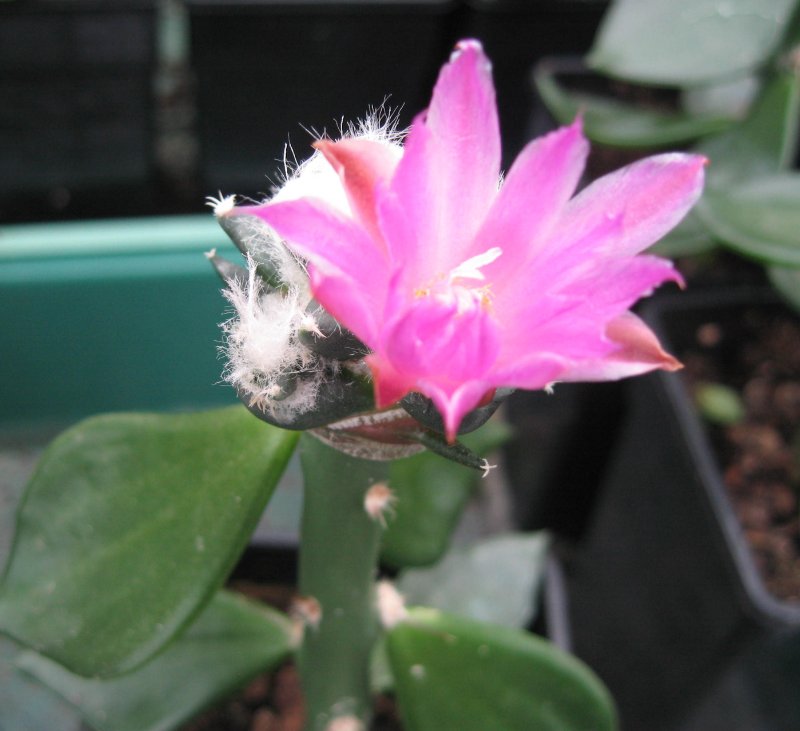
(140, 107)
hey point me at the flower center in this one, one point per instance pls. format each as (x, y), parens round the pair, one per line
(460, 286)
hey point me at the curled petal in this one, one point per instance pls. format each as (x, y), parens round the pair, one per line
(637, 351)
(361, 164)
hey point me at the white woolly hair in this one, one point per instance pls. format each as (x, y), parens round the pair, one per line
(314, 177)
(261, 340)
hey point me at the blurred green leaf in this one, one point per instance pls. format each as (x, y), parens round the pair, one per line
(732, 97)
(748, 205)
(719, 404)
(229, 643)
(25, 705)
(455, 673)
(431, 494)
(688, 42)
(764, 142)
(689, 238)
(787, 281)
(496, 580)
(129, 525)
(759, 218)
(612, 122)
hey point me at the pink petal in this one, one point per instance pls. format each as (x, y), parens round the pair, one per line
(441, 349)
(638, 351)
(538, 186)
(434, 340)
(454, 405)
(449, 172)
(617, 284)
(349, 272)
(529, 297)
(571, 323)
(559, 330)
(390, 384)
(361, 164)
(650, 196)
(532, 371)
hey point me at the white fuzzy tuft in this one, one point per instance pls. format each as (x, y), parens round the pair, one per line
(221, 205)
(346, 723)
(380, 124)
(391, 605)
(261, 343)
(379, 501)
(316, 178)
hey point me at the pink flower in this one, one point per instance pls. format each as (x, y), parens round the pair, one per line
(460, 281)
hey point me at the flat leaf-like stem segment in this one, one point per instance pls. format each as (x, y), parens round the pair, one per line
(231, 641)
(456, 673)
(495, 580)
(615, 122)
(688, 42)
(128, 527)
(751, 203)
(431, 496)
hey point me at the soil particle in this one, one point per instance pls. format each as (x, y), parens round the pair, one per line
(759, 356)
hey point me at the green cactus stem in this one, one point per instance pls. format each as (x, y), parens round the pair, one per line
(338, 562)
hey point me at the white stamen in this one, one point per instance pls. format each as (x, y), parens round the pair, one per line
(471, 268)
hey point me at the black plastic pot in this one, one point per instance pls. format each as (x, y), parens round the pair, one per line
(270, 73)
(666, 602)
(559, 448)
(76, 88)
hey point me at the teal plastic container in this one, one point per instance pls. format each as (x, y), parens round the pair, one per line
(109, 315)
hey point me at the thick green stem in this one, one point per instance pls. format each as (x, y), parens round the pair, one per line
(338, 560)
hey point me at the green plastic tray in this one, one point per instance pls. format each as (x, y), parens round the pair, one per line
(109, 315)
